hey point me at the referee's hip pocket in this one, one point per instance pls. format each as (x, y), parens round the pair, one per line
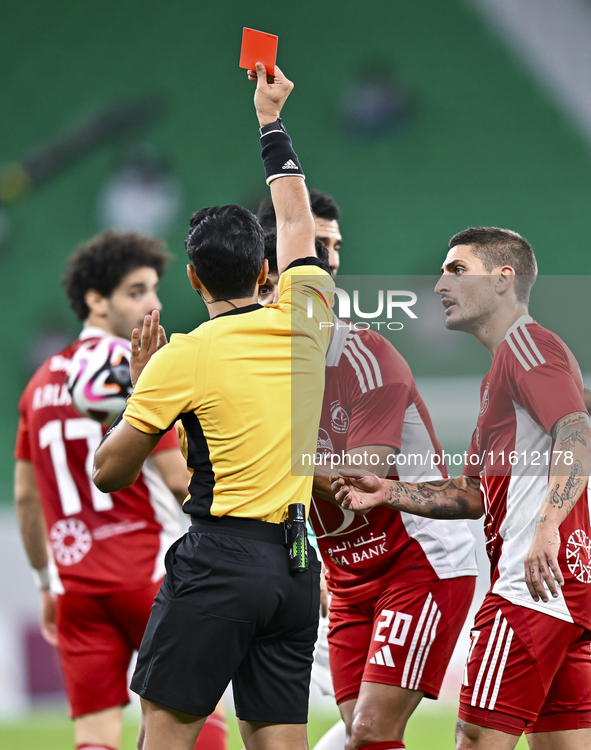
(315, 568)
(168, 584)
(222, 574)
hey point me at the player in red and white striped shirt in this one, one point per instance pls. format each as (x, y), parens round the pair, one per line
(401, 586)
(529, 665)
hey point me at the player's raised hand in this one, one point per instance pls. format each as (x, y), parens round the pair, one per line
(269, 98)
(153, 337)
(357, 492)
(541, 563)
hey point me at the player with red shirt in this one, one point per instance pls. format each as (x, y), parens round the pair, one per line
(401, 586)
(106, 550)
(528, 668)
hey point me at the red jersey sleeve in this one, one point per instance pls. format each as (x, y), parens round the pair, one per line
(378, 403)
(542, 375)
(377, 417)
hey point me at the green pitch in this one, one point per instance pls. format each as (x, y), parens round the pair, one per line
(429, 729)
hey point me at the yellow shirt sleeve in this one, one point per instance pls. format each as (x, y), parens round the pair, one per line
(308, 291)
(166, 387)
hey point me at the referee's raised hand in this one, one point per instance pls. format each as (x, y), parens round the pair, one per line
(153, 337)
(269, 98)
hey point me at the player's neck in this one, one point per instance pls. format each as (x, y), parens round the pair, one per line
(492, 332)
(96, 321)
(217, 307)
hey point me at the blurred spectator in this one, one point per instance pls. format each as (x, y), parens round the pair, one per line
(142, 195)
(374, 103)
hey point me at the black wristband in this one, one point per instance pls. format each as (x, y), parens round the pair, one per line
(279, 158)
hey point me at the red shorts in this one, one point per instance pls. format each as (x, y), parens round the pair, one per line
(404, 637)
(526, 671)
(97, 636)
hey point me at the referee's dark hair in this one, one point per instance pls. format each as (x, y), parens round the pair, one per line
(103, 261)
(323, 206)
(225, 247)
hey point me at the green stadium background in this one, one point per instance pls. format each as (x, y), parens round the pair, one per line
(485, 146)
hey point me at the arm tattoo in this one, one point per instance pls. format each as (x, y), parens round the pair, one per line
(444, 498)
(572, 434)
(572, 429)
(571, 491)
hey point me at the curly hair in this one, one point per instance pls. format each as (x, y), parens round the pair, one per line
(103, 261)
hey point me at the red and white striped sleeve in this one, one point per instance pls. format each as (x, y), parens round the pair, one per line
(541, 374)
(380, 390)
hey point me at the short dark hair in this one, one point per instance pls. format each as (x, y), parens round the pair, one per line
(271, 251)
(104, 260)
(323, 206)
(225, 247)
(501, 247)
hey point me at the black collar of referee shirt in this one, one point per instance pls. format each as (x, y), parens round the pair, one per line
(239, 310)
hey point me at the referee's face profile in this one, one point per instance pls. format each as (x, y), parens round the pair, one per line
(268, 292)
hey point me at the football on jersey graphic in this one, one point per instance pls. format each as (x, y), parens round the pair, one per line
(99, 380)
(339, 419)
(70, 540)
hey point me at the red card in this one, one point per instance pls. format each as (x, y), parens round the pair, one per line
(257, 46)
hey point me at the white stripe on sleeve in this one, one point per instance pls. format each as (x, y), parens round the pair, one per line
(364, 363)
(355, 366)
(372, 359)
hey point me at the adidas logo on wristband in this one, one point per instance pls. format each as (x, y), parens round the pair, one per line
(290, 164)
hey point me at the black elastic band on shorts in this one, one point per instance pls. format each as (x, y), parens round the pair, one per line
(279, 158)
(245, 527)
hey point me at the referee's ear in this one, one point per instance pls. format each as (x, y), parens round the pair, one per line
(264, 273)
(193, 278)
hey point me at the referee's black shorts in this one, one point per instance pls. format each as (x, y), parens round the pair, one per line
(229, 610)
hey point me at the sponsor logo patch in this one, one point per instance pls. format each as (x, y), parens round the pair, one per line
(578, 555)
(485, 401)
(339, 419)
(71, 540)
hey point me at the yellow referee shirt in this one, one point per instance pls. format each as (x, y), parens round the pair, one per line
(247, 386)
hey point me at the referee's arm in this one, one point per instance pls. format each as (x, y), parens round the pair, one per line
(295, 223)
(119, 458)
